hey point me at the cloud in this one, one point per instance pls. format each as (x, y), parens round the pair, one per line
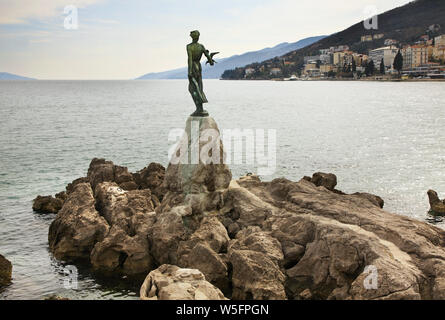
(17, 12)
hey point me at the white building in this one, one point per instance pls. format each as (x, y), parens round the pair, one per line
(386, 53)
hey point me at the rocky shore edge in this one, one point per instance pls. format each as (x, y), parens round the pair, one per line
(5, 271)
(243, 239)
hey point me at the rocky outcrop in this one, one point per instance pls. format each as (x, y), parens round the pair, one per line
(437, 206)
(327, 180)
(48, 204)
(250, 239)
(78, 226)
(173, 283)
(105, 218)
(5, 271)
(101, 170)
(130, 215)
(205, 250)
(256, 257)
(108, 228)
(330, 241)
(152, 177)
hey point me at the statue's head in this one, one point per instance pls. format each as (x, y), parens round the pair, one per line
(195, 35)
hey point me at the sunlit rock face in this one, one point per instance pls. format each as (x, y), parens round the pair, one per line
(173, 283)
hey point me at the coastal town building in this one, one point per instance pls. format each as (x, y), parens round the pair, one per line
(275, 71)
(390, 42)
(366, 38)
(416, 55)
(440, 40)
(249, 71)
(326, 68)
(386, 53)
(422, 58)
(370, 37)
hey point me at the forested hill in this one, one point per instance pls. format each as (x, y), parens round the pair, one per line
(404, 24)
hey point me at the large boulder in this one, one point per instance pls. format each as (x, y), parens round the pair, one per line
(327, 180)
(255, 258)
(437, 206)
(151, 177)
(205, 250)
(78, 226)
(130, 214)
(108, 228)
(173, 283)
(101, 170)
(47, 204)
(197, 164)
(5, 271)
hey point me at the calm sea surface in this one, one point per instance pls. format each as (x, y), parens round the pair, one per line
(383, 138)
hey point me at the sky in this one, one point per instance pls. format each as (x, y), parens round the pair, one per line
(124, 39)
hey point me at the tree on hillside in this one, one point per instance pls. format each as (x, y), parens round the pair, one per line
(369, 69)
(398, 62)
(382, 67)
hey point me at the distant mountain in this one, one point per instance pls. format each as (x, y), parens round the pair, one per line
(10, 76)
(406, 24)
(235, 61)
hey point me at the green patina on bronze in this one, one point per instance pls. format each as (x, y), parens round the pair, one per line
(195, 51)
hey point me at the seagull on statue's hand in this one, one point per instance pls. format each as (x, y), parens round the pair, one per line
(211, 57)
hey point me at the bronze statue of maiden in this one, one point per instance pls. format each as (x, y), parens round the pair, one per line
(195, 51)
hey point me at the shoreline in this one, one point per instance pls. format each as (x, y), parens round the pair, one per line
(358, 80)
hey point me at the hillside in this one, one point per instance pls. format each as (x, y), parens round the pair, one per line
(235, 61)
(404, 24)
(10, 76)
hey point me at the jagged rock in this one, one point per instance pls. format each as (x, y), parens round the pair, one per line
(152, 177)
(373, 198)
(170, 282)
(70, 187)
(344, 234)
(47, 204)
(61, 195)
(167, 231)
(77, 227)
(248, 209)
(437, 206)
(210, 263)
(327, 180)
(255, 276)
(203, 250)
(101, 170)
(130, 214)
(255, 258)
(197, 165)
(253, 238)
(5, 271)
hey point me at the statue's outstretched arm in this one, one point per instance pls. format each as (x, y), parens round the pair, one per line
(209, 56)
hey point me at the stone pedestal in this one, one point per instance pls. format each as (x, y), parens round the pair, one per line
(197, 163)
